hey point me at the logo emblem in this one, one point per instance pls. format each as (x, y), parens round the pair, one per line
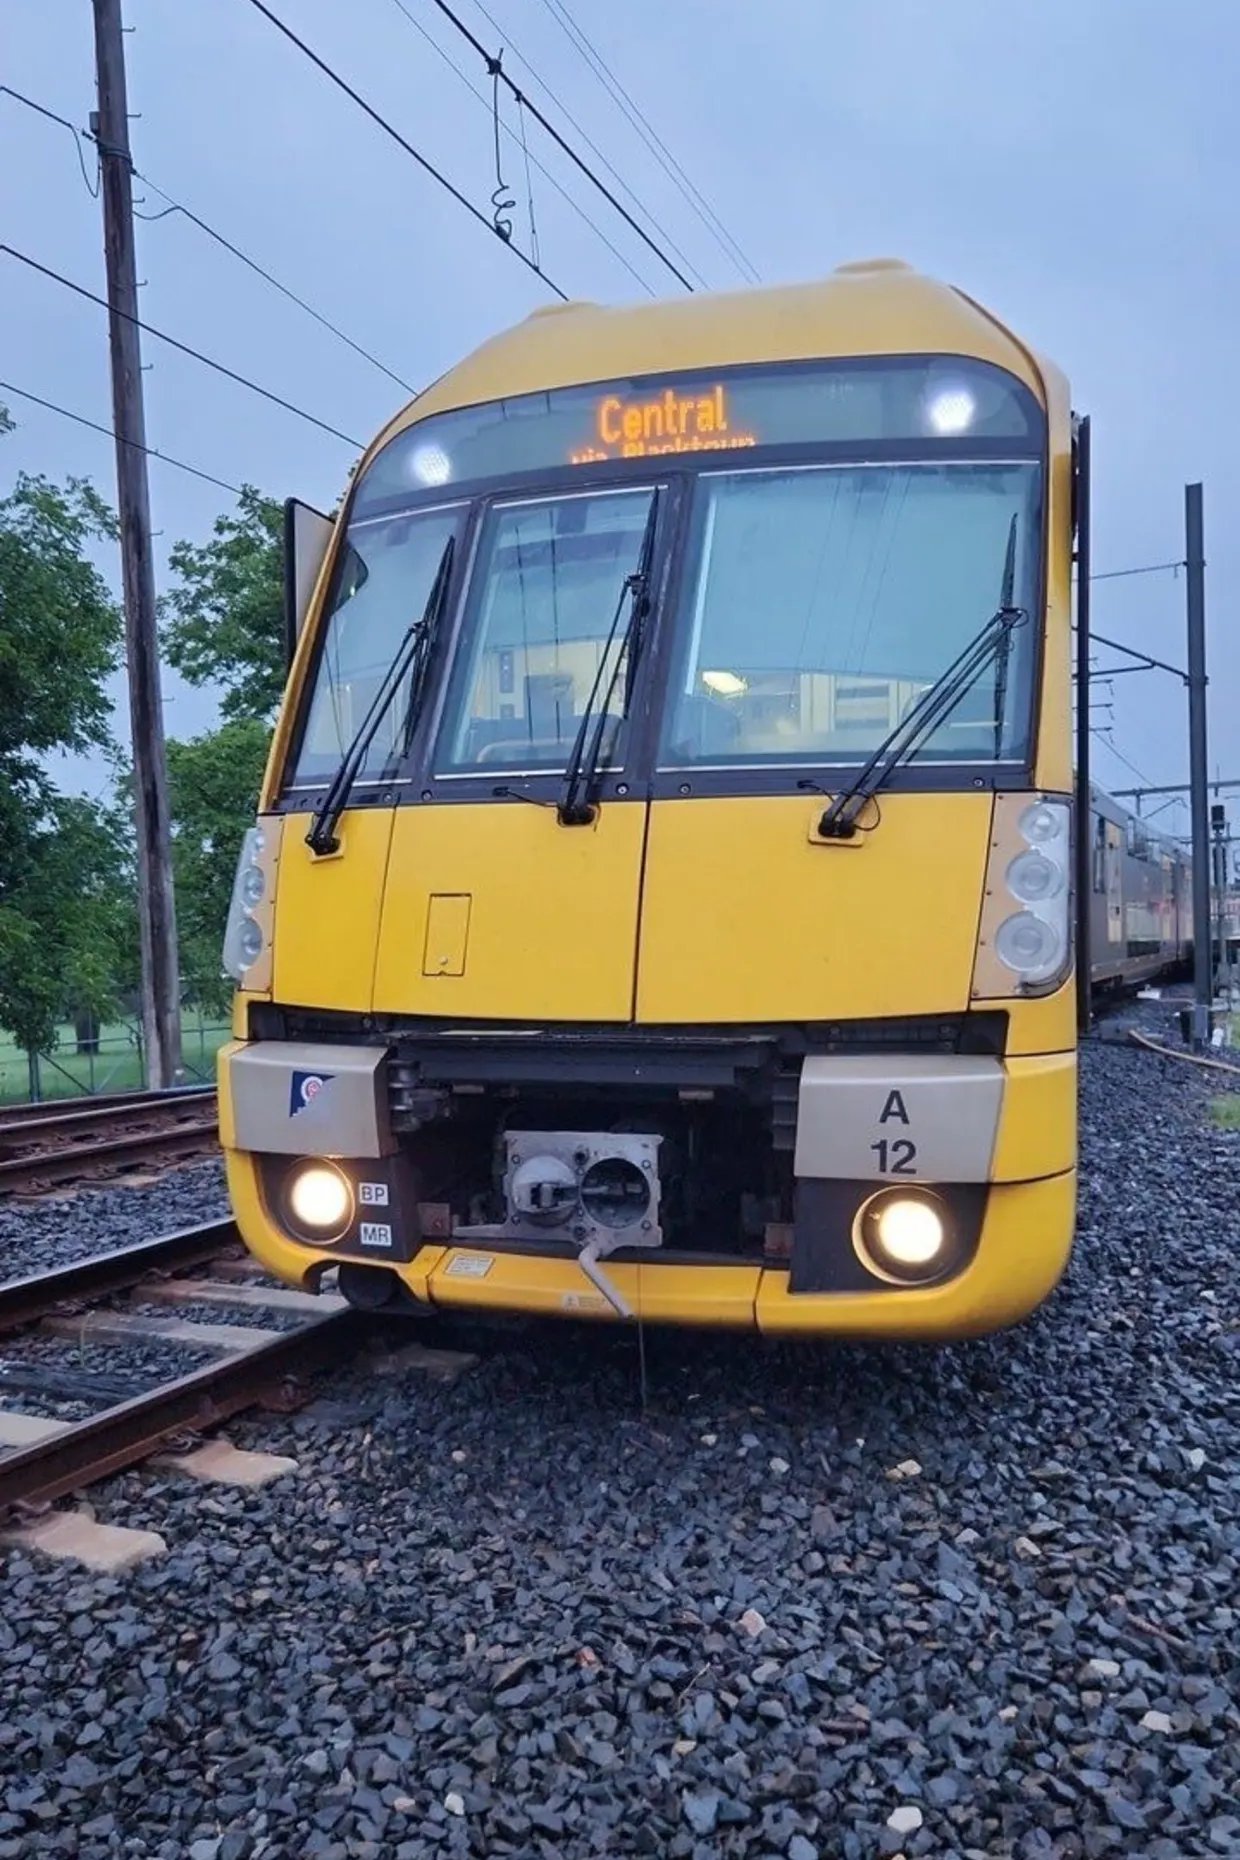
(305, 1088)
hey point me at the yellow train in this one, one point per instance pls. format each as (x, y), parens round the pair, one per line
(661, 901)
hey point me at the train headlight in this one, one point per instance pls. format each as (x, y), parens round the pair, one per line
(247, 934)
(1028, 945)
(1027, 921)
(319, 1200)
(904, 1235)
(1045, 820)
(1032, 877)
(951, 411)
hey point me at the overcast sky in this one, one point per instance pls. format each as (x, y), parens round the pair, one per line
(1075, 164)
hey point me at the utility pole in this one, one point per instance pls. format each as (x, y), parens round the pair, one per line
(1194, 557)
(161, 1010)
(1084, 849)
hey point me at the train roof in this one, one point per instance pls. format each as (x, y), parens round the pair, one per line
(876, 307)
(1118, 812)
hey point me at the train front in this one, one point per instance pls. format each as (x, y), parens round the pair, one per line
(660, 902)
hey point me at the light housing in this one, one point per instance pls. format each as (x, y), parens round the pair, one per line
(318, 1200)
(905, 1236)
(1025, 938)
(246, 956)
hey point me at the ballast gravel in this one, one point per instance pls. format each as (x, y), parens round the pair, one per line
(56, 1229)
(813, 1603)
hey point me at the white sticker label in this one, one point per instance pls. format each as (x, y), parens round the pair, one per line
(375, 1233)
(469, 1266)
(583, 1301)
(373, 1194)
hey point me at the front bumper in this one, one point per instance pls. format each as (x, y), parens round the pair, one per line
(1027, 1190)
(1024, 1246)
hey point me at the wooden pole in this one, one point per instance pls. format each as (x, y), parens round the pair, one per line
(161, 1013)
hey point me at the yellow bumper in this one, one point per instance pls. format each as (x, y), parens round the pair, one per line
(1025, 1242)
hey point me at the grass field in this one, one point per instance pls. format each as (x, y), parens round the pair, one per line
(117, 1066)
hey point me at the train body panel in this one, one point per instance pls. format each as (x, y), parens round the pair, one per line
(663, 906)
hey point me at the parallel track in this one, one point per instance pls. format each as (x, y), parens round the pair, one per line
(44, 1145)
(272, 1371)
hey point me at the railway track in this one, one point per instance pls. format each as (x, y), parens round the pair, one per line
(44, 1145)
(228, 1366)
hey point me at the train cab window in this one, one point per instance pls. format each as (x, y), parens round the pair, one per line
(381, 585)
(549, 580)
(824, 600)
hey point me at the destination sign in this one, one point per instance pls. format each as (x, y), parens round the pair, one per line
(675, 420)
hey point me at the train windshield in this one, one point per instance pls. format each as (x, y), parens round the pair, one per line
(823, 601)
(550, 580)
(381, 585)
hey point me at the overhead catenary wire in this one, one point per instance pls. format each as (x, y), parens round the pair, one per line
(152, 452)
(495, 68)
(1118, 754)
(1154, 568)
(529, 159)
(403, 142)
(654, 142)
(184, 347)
(511, 45)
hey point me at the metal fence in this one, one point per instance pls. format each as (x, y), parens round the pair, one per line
(87, 1060)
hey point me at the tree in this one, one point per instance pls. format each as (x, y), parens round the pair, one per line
(223, 622)
(213, 790)
(65, 887)
(223, 625)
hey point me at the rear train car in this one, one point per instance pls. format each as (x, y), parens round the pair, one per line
(660, 904)
(1140, 901)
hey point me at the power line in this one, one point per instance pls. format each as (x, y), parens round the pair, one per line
(176, 206)
(496, 70)
(8, 91)
(533, 159)
(650, 137)
(1155, 568)
(593, 146)
(408, 147)
(196, 354)
(1118, 754)
(7, 387)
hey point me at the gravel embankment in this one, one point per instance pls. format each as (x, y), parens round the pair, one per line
(54, 1230)
(987, 1593)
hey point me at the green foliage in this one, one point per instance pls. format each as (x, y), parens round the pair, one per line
(223, 621)
(213, 790)
(59, 626)
(68, 929)
(66, 893)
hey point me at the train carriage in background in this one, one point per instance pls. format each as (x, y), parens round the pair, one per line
(1140, 899)
(660, 904)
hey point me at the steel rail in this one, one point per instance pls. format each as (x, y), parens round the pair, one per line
(24, 1301)
(17, 1119)
(42, 1167)
(123, 1435)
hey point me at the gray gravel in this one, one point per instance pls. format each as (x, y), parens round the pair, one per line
(972, 1602)
(57, 1229)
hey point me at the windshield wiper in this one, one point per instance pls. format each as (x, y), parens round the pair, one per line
(411, 656)
(577, 791)
(992, 644)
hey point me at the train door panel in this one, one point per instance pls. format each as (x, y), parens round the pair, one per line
(1113, 871)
